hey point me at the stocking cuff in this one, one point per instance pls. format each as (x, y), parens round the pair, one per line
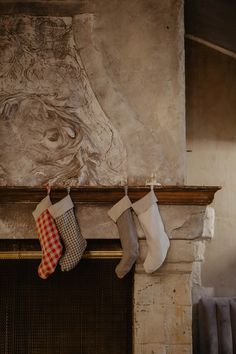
(118, 209)
(145, 203)
(41, 207)
(61, 207)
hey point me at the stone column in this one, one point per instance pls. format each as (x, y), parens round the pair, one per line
(163, 300)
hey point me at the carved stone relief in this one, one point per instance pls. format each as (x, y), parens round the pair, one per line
(52, 127)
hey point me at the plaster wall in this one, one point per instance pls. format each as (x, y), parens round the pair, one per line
(211, 156)
(121, 94)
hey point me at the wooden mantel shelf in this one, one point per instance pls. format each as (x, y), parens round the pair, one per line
(167, 195)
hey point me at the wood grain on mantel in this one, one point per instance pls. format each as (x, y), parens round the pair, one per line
(167, 195)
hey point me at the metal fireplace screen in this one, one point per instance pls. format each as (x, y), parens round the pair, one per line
(85, 311)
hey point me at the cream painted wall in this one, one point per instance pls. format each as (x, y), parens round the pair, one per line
(211, 156)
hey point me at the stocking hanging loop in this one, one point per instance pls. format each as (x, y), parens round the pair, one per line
(48, 188)
(152, 181)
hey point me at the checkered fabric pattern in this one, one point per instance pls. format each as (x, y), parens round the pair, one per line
(74, 242)
(50, 244)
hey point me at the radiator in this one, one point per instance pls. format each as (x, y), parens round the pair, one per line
(216, 326)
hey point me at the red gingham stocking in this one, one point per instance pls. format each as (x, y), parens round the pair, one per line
(48, 237)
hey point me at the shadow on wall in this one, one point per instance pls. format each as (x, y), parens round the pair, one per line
(211, 92)
(211, 139)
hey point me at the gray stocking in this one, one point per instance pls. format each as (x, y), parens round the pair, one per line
(121, 214)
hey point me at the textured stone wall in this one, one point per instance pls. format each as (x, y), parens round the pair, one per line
(52, 126)
(94, 98)
(163, 300)
(181, 222)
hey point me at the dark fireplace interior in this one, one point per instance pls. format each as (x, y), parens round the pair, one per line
(85, 311)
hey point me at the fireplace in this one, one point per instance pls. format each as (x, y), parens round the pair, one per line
(92, 94)
(87, 310)
(158, 311)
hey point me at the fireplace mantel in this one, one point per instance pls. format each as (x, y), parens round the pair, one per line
(167, 195)
(162, 300)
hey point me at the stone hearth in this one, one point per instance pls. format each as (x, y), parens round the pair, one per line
(162, 322)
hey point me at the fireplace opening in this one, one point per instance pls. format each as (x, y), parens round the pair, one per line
(85, 311)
